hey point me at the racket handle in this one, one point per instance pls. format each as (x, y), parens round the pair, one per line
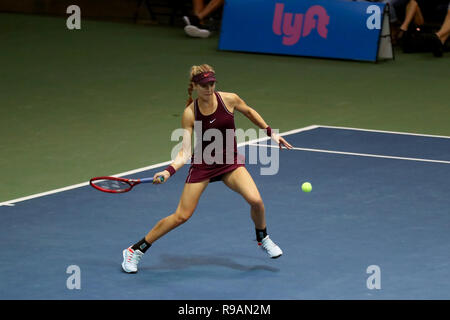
(146, 180)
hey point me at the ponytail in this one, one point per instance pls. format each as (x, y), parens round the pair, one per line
(190, 89)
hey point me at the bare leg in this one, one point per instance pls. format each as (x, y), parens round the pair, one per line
(241, 182)
(412, 12)
(444, 32)
(212, 6)
(188, 202)
(198, 6)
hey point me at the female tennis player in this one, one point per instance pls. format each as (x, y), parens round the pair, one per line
(215, 110)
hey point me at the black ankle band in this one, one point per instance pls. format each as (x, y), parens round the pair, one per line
(260, 234)
(141, 245)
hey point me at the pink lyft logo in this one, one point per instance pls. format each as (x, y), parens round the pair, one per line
(293, 31)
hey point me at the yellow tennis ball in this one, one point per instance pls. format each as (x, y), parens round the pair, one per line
(306, 187)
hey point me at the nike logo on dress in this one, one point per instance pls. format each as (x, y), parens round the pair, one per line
(212, 121)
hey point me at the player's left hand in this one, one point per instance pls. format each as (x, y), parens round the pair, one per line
(281, 141)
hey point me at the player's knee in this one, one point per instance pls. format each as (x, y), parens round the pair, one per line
(182, 216)
(256, 203)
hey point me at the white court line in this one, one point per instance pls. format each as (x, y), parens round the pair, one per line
(382, 131)
(83, 184)
(359, 154)
(79, 185)
(281, 134)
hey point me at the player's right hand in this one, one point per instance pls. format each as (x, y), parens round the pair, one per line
(157, 179)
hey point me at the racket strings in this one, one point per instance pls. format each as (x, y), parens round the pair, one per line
(114, 185)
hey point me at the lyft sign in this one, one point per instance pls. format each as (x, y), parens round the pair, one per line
(315, 17)
(322, 28)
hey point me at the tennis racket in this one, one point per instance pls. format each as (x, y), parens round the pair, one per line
(118, 185)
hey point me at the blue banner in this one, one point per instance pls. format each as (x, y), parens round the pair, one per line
(317, 28)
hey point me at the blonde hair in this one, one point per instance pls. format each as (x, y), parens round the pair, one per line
(195, 70)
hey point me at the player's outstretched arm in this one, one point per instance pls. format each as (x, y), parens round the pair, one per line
(256, 118)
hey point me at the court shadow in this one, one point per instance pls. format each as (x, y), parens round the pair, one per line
(173, 262)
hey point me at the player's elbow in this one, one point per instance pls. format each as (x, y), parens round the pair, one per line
(249, 113)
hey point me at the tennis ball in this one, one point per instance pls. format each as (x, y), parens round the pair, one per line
(306, 187)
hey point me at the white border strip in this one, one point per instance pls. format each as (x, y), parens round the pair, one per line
(359, 154)
(79, 185)
(382, 131)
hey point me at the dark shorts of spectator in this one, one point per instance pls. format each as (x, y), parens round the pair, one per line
(433, 11)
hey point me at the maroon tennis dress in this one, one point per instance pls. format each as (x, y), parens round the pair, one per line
(227, 159)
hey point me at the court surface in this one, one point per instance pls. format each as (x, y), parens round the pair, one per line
(378, 199)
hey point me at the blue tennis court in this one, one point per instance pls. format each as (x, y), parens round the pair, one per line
(378, 199)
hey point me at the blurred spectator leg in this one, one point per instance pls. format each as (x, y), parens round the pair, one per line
(441, 36)
(397, 10)
(198, 6)
(195, 26)
(444, 31)
(210, 8)
(412, 13)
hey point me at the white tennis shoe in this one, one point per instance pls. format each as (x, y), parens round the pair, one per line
(270, 248)
(131, 259)
(196, 32)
